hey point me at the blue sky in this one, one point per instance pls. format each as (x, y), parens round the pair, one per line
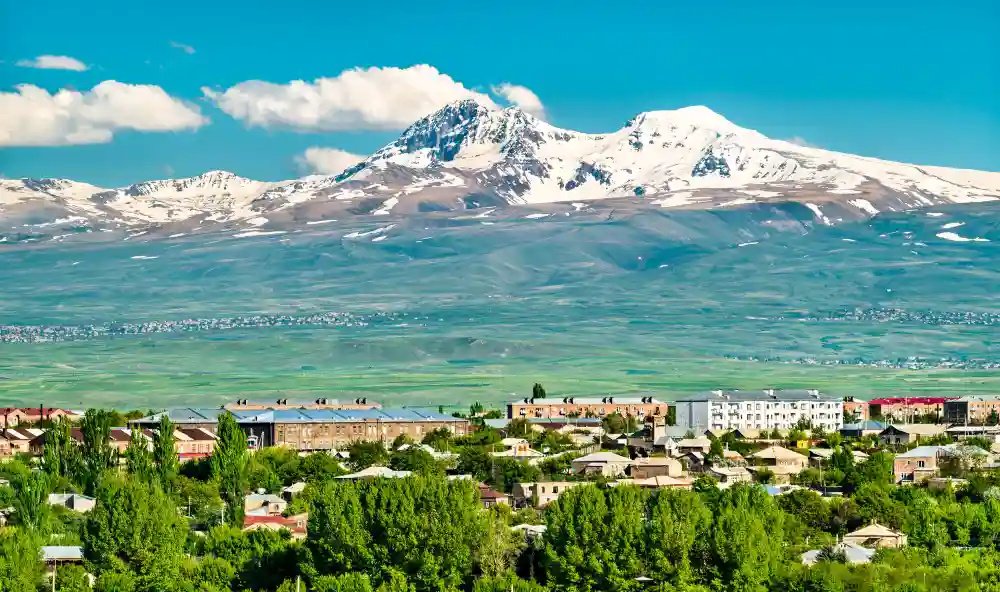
(911, 81)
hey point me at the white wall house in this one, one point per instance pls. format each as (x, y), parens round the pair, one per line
(767, 409)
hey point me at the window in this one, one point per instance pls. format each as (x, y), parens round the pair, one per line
(920, 464)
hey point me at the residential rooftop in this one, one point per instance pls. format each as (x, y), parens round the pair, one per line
(788, 395)
(606, 400)
(200, 415)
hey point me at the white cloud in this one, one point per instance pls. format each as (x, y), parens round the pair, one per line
(523, 97)
(359, 99)
(183, 47)
(327, 161)
(33, 117)
(54, 62)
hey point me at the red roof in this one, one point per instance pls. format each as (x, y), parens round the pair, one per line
(292, 523)
(486, 493)
(911, 400)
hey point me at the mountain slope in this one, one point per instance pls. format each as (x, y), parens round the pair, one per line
(467, 156)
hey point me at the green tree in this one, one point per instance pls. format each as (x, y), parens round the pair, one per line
(165, 454)
(60, 456)
(72, 578)
(671, 415)
(499, 548)
(676, 535)
(593, 538)
(415, 460)
(367, 454)
(96, 451)
(134, 528)
(115, 582)
(229, 466)
(476, 462)
(20, 561)
(746, 539)
(30, 500)
(138, 459)
(348, 582)
(538, 391)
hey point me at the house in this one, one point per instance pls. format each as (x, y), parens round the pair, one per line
(727, 476)
(897, 434)
(818, 456)
(687, 445)
(298, 524)
(694, 461)
(861, 429)
(916, 465)
(55, 555)
(72, 501)
(608, 464)
(923, 462)
(782, 462)
(644, 468)
(657, 437)
(854, 554)
(963, 432)
(18, 441)
(542, 493)
(376, 472)
(763, 410)
(876, 536)
(191, 443)
(530, 531)
(490, 497)
(264, 504)
(659, 482)
(13, 416)
(293, 490)
(428, 449)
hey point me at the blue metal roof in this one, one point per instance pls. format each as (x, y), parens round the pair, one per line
(208, 415)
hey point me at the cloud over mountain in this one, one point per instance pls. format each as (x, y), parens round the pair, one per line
(54, 62)
(327, 161)
(360, 99)
(31, 116)
(521, 96)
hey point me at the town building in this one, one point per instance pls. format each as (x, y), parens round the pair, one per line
(861, 429)
(542, 493)
(728, 476)
(819, 456)
(297, 525)
(855, 409)
(605, 463)
(660, 482)
(782, 462)
(72, 501)
(332, 404)
(376, 472)
(118, 439)
(490, 497)
(973, 410)
(655, 466)
(568, 407)
(854, 554)
(876, 536)
(925, 462)
(13, 416)
(907, 409)
(761, 410)
(264, 504)
(17, 441)
(317, 429)
(898, 434)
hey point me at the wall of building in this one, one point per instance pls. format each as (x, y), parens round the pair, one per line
(692, 415)
(557, 409)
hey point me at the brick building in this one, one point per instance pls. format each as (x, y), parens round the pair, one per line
(530, 408)
(907, 409)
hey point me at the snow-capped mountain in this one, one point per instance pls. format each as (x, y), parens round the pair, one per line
(467, 156)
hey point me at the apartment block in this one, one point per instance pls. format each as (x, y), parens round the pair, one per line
(761, 410)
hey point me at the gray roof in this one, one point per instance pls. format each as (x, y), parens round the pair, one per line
(268, 498)
(62, 553)
(606, 400)
(854, 553)
(735, 396)
(210, 415)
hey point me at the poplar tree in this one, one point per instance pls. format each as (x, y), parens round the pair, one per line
(164, 453)
(229, 466)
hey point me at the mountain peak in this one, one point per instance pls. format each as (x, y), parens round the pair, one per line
(697, 116)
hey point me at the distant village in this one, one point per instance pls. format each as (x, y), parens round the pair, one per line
(782, 439)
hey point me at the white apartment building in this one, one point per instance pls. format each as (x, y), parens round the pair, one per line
(762, 410)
